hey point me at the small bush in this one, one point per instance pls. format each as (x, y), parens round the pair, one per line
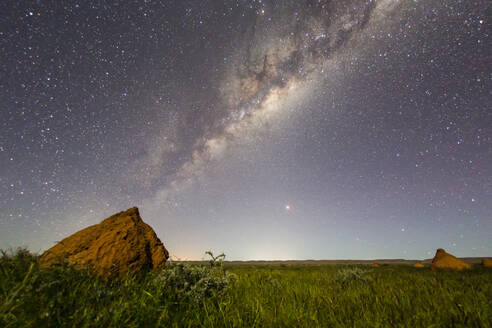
(183, 282)
(347, 276)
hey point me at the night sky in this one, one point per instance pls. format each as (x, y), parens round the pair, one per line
(262, 129)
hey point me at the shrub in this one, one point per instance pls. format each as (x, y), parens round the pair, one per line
(182, 282)
(347, 276)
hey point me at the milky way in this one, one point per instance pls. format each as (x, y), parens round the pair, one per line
(262, 129)
(272, 60)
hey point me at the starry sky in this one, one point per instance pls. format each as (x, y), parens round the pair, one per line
(293, 129)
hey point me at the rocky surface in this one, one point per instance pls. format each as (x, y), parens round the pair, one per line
(120, 244)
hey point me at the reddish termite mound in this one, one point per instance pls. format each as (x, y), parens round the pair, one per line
(120, 244)
(443, 260)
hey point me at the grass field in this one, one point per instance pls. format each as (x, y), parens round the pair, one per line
(244, 296)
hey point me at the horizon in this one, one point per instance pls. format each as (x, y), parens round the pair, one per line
(205, 257)
(261, 129)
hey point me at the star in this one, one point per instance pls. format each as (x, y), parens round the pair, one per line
(358, 112)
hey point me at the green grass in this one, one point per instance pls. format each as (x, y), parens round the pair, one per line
(211, 296)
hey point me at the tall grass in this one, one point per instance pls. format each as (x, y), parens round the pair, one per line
(331, 296)
(219, 296)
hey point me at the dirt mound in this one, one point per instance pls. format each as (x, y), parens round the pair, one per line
(418, 265)
(443, 260)
(117, 245)
(487, 263)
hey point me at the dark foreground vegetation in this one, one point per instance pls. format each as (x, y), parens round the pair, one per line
(215, 296)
